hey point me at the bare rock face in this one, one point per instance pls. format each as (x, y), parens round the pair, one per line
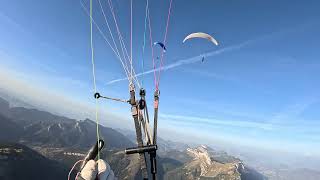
(60, 141)
(204, 166)
(210, 169)
(201, 156)
(125, 166)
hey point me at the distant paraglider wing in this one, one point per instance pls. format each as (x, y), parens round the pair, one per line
(201, 35)
(161, 45)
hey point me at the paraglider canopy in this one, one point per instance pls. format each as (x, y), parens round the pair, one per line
(201, 35)
(161, 45)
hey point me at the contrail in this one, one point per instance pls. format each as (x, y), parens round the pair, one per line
(191, 60)
(198, 58)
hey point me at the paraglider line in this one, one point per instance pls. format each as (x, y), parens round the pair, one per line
(164, 42)
(144, 37)
(131, 37)
(151, 46)
(99, 29)
(106, 40)
(93, 72)
(74, 165)
(114, 43)
(123, 46)
(195, 59)
(119, 33)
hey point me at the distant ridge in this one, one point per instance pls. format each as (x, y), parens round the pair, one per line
(20, 162)
(41, 128)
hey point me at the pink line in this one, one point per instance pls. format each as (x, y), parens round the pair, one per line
(118, 31)
(164, 42)
(151, 45)
(131, 40)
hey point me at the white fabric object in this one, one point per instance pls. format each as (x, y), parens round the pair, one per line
(201, 35)
(100, 168)
(90, 170)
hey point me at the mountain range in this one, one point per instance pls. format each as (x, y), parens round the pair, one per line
(21, 162)
(35, 127)
(57, 142)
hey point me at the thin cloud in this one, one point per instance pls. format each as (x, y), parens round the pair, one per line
(191, 60)
(47, 100)
(292, 111)
(224, 109)
(12, 22)
(198, 58)
(212, 121)
(288, 127)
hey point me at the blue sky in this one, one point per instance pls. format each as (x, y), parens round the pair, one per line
(259, 87)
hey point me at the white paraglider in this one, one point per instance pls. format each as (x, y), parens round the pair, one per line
(201, 35)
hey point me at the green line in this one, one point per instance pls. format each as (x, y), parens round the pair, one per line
(93, 74)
